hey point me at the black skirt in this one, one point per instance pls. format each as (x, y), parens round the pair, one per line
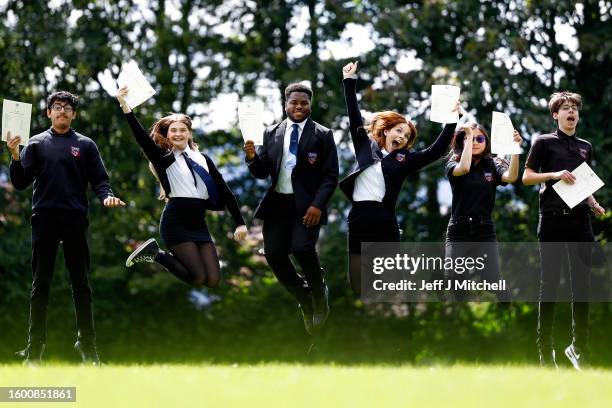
(371, 221)
(183, 220)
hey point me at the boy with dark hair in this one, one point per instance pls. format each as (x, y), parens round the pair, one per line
(60, 162)
(552, 157)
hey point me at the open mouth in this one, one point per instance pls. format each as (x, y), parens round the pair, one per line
(571, 119)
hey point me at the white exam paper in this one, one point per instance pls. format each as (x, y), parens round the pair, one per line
(16, 117)
(502, 139)
(250, 119)
(586, 184)
(139, 88)
(443, 100)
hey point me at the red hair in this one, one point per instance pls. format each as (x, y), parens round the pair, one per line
(385, 120)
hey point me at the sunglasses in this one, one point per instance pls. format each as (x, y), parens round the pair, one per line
(479, 139)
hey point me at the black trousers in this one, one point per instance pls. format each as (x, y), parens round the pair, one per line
(284, 233)
(474, 237)
(49, 228)
(568, 231)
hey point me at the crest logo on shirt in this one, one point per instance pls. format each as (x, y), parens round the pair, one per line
(488, 177)
(583, 153)
(401, 157)
(312, 157)
(75, 151)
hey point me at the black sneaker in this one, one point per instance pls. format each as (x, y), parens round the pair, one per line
(145, 252)
(320, 307)
(574, 357)
(548, 358)
(88, 353)
(32, 354)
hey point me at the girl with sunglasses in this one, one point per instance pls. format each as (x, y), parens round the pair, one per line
(474, 175)
(384, 159)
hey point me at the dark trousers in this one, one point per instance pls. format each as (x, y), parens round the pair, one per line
(49, 228)
(284, 233)
(474, 237)
(567, 232)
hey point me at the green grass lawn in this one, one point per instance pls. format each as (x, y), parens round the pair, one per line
(265, 385)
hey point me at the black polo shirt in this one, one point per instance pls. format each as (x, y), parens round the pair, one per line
(555, 152)
(474, 192)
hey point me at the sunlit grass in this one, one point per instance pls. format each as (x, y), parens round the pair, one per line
(311, 386)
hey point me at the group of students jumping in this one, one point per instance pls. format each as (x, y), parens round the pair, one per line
(300, 157)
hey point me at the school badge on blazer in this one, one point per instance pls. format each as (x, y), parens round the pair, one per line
(312, 157)
(583, 153)
(75, 151)
(488, 176)
(401, 157)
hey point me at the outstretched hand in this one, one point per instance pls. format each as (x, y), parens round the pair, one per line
(110, 202)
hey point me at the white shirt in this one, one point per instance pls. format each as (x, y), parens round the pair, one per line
(180, 178)
(284, 185)
(370, 183)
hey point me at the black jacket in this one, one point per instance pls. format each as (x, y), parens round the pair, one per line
(315, 175)
(162, 159)
(397, 165)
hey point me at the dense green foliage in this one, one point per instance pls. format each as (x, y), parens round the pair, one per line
(504, 54)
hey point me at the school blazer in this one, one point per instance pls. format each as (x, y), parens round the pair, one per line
(315, 176)
(163, 158)
(397, 165)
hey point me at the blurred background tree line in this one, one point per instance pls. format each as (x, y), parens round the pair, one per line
(505, 55)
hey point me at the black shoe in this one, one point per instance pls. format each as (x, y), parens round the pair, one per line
(320, 307)
(548, 358)
(145, 252)
(32, 354)
(88, 353)
(577, 359)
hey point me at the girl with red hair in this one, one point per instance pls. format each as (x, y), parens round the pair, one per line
(384, 160)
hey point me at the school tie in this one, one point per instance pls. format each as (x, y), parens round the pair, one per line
(204, 175)
(293, 147)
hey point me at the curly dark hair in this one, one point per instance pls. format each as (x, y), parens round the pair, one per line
(63, 96)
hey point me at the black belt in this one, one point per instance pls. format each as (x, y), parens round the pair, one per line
(565, 212)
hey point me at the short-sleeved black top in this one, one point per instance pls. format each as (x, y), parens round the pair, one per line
(474, 192)
(555, 152)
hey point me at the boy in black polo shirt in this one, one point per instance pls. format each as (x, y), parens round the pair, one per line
(552, 157)
(61, 163)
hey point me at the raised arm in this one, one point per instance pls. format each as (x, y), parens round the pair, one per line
(148, 146)
(465, 163)
(358, 134)
(437, 149)
(511, 174)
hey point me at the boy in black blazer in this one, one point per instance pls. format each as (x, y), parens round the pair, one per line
(300, 156)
